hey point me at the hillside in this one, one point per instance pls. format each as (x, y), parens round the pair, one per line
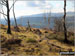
(37, 20)
(34, 42)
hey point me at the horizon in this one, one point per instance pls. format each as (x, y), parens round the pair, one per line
(38, 14)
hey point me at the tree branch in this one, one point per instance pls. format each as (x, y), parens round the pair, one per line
(12, 5)
(3, 13)
(2, 4)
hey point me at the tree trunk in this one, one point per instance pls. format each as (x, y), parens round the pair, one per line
(14, 17)
(64, 23)
(16, 27)
(29, 27)
(8, 17)
(49, 16)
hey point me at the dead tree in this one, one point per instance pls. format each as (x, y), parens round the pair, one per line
(16, 27)
(4, 15)
(49, 17)
(64, 22)
(29, 27)
(58, 25)
(6, 3)
(44, 17)
(8, 17)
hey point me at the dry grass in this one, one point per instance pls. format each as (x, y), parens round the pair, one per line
(30, 42)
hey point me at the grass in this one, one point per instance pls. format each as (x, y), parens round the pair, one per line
(30, 44)
(31, 40)
(60, 37)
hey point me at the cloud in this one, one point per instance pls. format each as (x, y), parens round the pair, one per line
(32, 4)
(26, 11)
(37, 7)
(36, 3)
(58, 5)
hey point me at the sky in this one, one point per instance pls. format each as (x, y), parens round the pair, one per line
(31, 7)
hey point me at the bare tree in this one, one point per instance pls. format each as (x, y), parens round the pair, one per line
(29, 27)
(4, 15)
(8, 17)
(44, 17)
(16, 27)
(49, 17)
(6, 3)
(64, 22)
(58, 25)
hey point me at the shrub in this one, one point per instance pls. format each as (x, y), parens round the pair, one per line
(10, 43)
(70, 34)
(71, 39)
(13, 41)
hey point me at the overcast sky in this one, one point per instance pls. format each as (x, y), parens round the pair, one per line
(24, 8)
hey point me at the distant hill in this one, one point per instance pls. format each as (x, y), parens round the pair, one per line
(38, 21)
